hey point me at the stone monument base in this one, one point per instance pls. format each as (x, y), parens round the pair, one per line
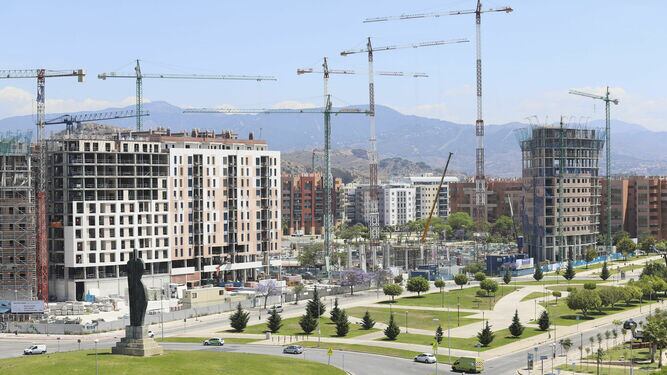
(137, 343)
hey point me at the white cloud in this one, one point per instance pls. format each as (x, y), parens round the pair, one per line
(17, 102)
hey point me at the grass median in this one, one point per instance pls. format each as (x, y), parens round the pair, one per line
(502, 337)
(291, 327)
(466, 298)
(420, 319)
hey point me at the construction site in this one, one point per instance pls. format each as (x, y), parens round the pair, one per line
(18, 263)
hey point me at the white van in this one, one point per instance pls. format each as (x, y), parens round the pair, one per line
(35, 349)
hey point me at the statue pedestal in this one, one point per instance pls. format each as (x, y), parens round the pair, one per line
(137, 343)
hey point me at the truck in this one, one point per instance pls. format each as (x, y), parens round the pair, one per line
(468, 365)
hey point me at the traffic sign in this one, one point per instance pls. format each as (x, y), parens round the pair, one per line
(330, 352)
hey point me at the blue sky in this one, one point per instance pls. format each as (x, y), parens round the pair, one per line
(531, 57)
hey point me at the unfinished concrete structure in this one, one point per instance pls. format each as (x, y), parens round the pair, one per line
(561, 205)
(197, 206)
(18, 278)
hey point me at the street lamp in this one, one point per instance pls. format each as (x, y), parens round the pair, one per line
(478, 345)
(97, 366)
(553, 356)
(406, 322)
(58, 341)
(458, 311)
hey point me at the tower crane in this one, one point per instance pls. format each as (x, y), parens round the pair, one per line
(328, 180)
(328, 185)
(480, 179)
(374, 215)
(607, 99)
(139, 76)
(71, 120)
(41, 251)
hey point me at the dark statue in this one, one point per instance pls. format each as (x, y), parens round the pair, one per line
(137, 290)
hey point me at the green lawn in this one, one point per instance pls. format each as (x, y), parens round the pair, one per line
(420, 319)
(503, 337)
(562, 315)
(533, 295)
(173, 362)
(199, 340)
(466, 297)
(391, 352)
(291, 328)
(617, 353)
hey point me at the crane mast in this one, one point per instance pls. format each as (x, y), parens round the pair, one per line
(374, 211)
(42, 262)
(328, 179)
(480, 211)
(606, 98)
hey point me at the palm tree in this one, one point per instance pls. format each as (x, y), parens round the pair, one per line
(607, 336)
(599, 337)
(614, 332)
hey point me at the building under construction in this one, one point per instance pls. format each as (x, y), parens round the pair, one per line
(17, 218)
(561, 190)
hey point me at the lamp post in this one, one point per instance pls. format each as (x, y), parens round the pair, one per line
(478, 345)
(162, 313)
(458, 311)
(406, 322)
(58, 341)
(553, 356)
(97, 366)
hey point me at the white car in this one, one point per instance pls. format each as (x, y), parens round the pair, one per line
(293, 349)
(214, 341)
(35, 349)
(425, 358)
(278, 308)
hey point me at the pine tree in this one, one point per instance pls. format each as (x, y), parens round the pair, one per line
(312, 306)
(239, 319)
(485, 336)
(569, 271)
(604, 274)
(335, 312)
(439, 334)
(507, 278)
(342, 324)
(275, 321)
(544, 322)
(308, 323)
(392, 331)
(538, 275)
(516, 328)
(367, 322)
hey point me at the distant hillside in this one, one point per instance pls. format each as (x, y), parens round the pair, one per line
(635, 150)
(352, 164)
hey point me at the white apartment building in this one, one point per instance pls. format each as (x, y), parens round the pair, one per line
(198, 206)
(426, 189)
(397, 204)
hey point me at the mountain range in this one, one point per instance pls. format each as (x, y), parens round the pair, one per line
(635, 149)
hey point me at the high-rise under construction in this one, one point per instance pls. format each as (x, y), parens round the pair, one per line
(17, 218)
(561, 190)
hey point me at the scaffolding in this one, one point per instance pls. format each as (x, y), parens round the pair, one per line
(17, 218)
